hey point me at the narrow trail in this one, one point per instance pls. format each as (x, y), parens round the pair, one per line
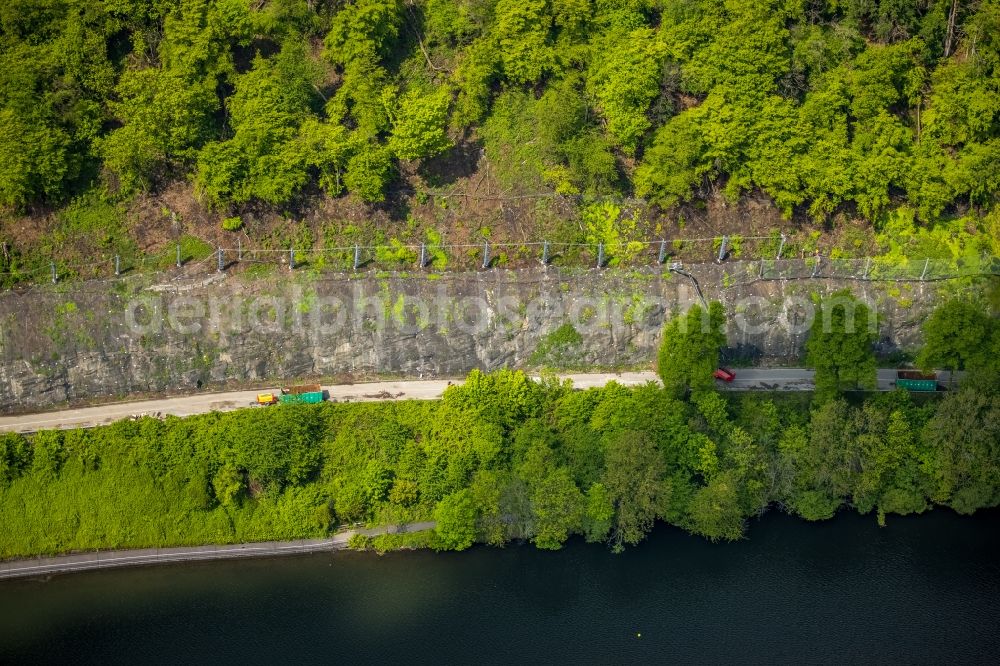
(46, 566)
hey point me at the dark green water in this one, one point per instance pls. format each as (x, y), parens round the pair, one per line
(923, 590)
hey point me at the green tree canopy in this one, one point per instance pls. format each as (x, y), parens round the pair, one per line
(689, 351)
(853, 108)
(840, 345)
(419, 126)
(633, 479)
(958, 335)
(456, 521)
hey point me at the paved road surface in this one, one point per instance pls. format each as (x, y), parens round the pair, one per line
(44, 566)
(200, 403)
(774, 379)
(800, 379)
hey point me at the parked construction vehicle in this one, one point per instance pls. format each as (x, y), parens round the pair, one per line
(264, 399)
(911, 380)
(308, 394)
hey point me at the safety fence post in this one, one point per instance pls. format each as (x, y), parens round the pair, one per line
(723, 248)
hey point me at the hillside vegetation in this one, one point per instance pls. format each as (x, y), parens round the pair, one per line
(834, 110)
(501, 458)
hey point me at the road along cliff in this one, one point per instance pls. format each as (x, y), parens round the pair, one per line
(68, 343)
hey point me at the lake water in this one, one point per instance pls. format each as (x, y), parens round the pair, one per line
(924, 589)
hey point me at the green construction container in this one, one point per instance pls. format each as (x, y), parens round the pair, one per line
(917, 384)
(310, 398)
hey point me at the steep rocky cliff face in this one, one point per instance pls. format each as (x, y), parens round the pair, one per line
(75, 342)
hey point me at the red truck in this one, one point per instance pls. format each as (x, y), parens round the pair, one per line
(725, 374)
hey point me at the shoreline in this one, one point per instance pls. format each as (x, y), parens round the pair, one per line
(96, 560)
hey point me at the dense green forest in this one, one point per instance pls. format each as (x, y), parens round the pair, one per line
(823, 105)
(505, 458)
(499, 459)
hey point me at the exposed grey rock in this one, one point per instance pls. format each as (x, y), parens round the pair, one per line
(80, 341)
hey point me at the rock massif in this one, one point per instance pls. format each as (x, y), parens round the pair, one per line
(76, 342)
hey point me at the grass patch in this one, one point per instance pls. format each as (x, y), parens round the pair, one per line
(192, 249)
(559, 349)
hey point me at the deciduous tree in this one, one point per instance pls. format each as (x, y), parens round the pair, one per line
(689, 351)
(958, 336)
(456, 521)
(840, 346)
(633, 478)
